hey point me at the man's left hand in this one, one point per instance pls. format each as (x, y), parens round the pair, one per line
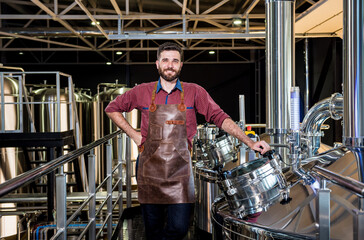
(261, 146)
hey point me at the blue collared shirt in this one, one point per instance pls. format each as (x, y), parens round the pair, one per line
(177, 86)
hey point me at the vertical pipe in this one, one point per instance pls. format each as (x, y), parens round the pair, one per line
(242, 148)
(21, 109)
(58, 119)
(69, 103)
(127, 7)
(56, 7)
(119, 25)
(323, 211)
(184, 27)
(91, 187)
(242, 112)
(120, 186)
(61, 195)
(353, 66)
(109, 187)
(50, 185)
(2, 103)
(358, 223)
(280, 68)
(128, 171)
(295, 109)
(307, 75)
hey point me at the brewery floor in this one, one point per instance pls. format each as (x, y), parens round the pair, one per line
(133, 227)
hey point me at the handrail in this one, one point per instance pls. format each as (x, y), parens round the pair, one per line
(343, 181)
(40, 171)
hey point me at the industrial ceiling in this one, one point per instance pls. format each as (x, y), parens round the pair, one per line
(129, 31)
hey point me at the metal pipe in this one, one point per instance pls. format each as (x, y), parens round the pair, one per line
(327, 157)
(242, 111)
(307, 75)
(343, 181)
(317, 115)
(61, 195)
(92, 193)
(120, 183)
(353, 66)
(279, 68)
(128, 171)
(109, 187)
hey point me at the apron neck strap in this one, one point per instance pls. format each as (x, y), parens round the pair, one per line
(152, 106)
(181, 106)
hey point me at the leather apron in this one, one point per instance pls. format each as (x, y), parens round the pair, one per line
(165, 168)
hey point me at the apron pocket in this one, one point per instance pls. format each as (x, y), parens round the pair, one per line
(156, 132)
(166, 163)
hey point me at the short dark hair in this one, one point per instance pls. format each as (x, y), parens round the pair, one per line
(169, 46)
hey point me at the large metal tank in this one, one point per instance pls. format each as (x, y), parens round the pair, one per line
(57, 115)
(46, 116)
(11, 164)
(103, 126)
(83, 100)
(298, 219)
(206, 191)
(205, 177)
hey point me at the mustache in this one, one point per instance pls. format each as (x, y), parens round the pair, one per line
(170, 69)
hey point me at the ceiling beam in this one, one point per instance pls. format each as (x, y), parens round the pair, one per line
(181, 5)
(186, 36)
(91, 17)
(137, 16)
(67, 9)
(215, 6)
(43, 40)
(69, 49)
(250, 8)
(64, 23)
(219, 25)
(116, 7)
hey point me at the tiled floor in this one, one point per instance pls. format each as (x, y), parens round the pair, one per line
(133, 227)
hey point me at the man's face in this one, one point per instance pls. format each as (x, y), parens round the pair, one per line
(169, 65)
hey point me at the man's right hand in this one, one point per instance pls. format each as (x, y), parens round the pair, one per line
(138, 139)
(120, 121)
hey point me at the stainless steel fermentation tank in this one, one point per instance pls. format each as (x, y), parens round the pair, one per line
(103, 126)
(298, 219)
(84, 104)
(205, 178)
(46, 112)
(11, 158)
(206, 191)
(46, 115)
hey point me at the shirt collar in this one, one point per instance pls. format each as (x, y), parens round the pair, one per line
(178, 85)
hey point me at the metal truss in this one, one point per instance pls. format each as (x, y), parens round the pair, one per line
(197, 25)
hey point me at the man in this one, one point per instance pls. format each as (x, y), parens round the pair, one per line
(164, 175)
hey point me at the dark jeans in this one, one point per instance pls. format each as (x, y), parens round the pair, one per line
(166, 221)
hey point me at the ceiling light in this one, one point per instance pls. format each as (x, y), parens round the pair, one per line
(212, 52)
(94, 23)
(21, 53)
(237, 21)
(119, 53)
(108, 63)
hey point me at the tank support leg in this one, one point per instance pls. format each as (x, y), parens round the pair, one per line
(359, 221)
(323, 211)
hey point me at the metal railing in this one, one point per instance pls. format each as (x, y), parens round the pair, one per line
(62, 222)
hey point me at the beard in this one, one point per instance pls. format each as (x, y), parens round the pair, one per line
(169, 77)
